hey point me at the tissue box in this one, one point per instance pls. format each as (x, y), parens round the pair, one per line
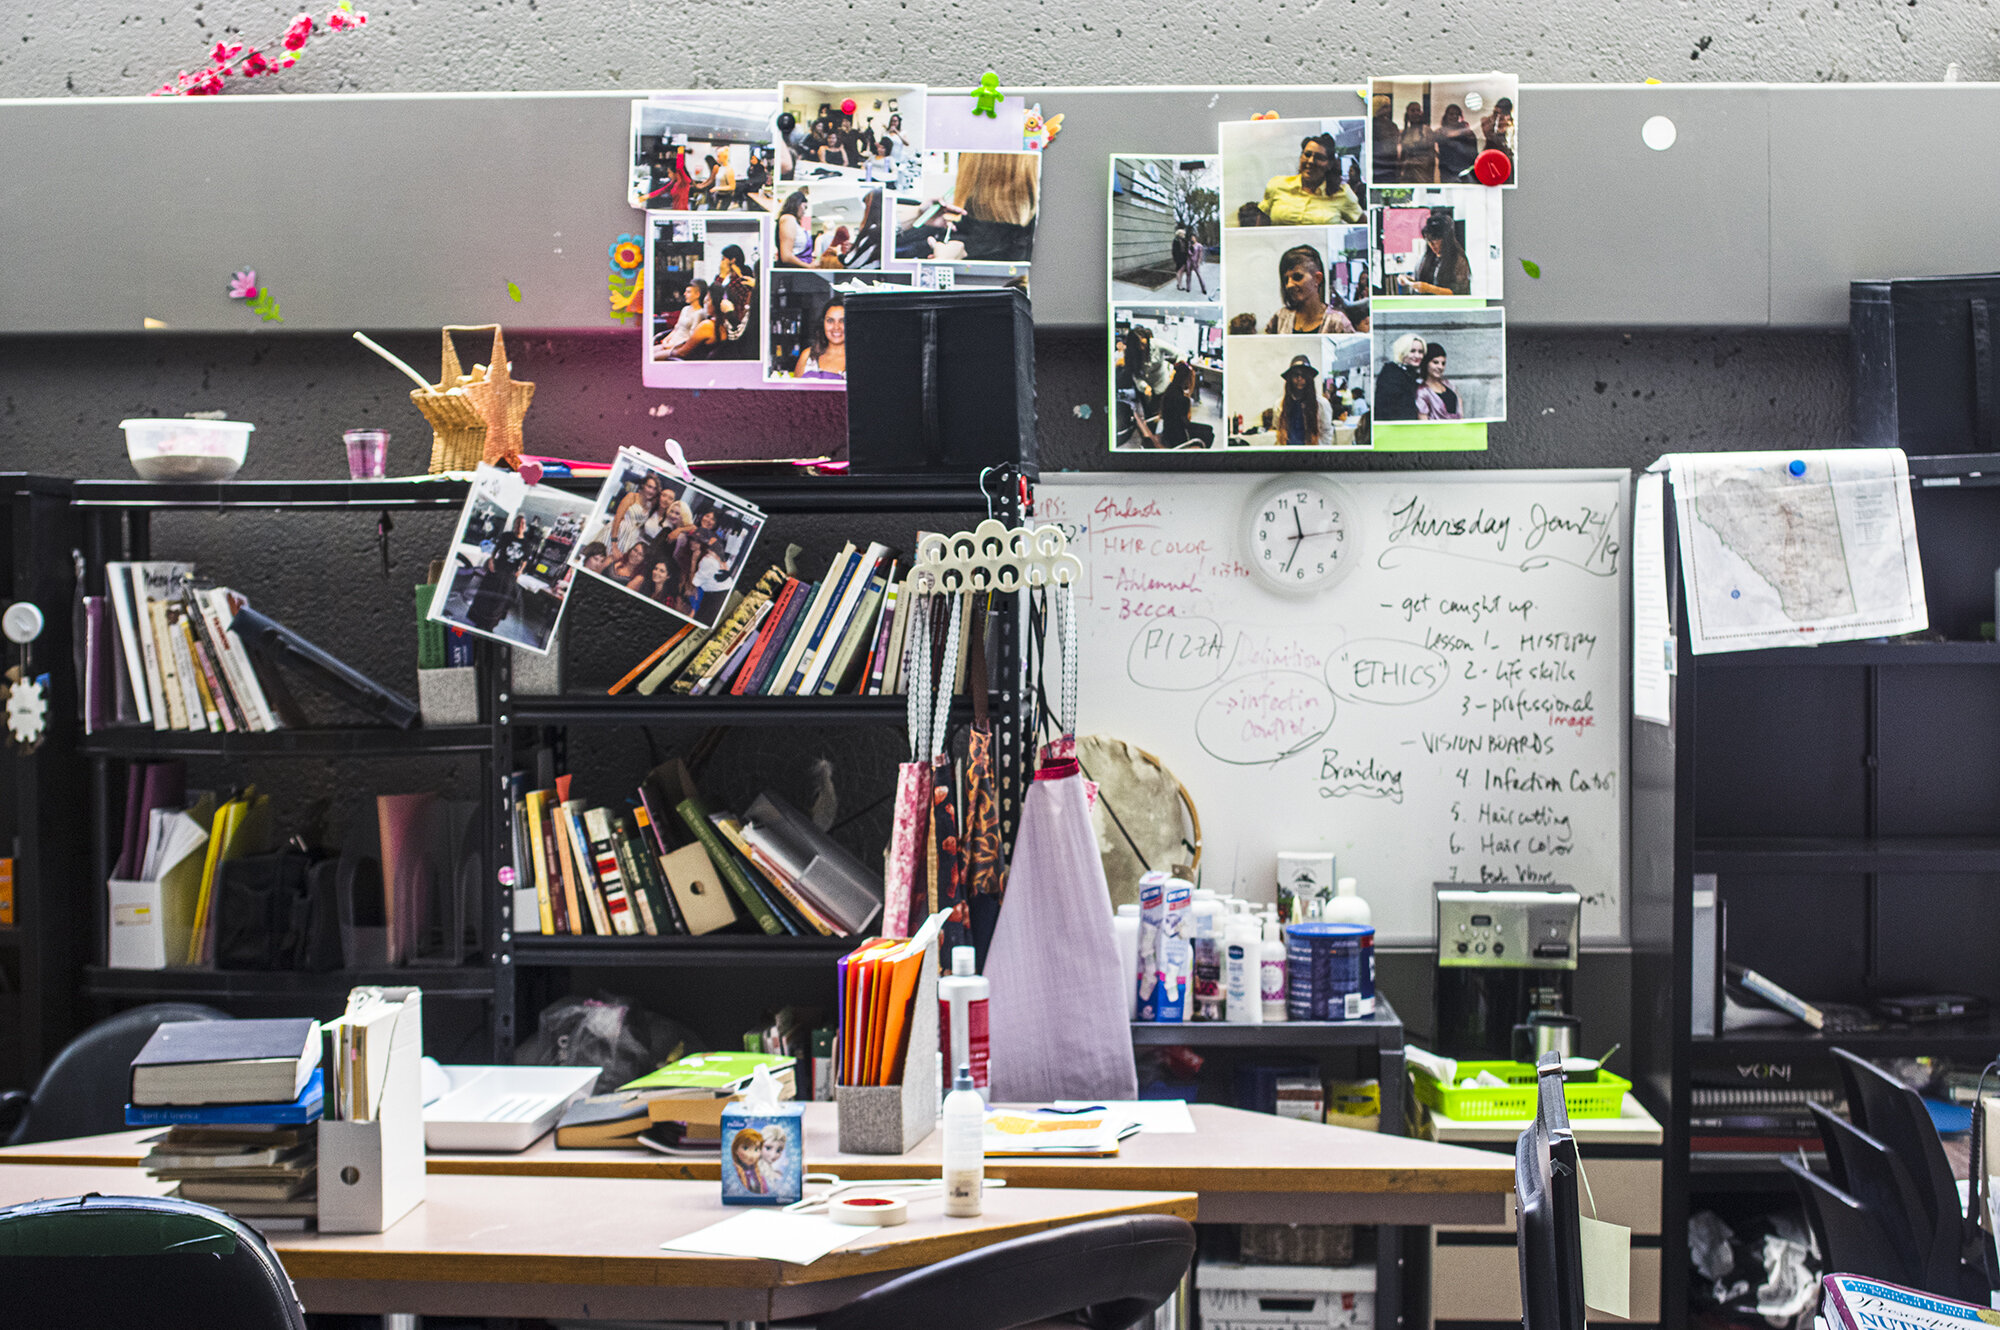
(763, 1154)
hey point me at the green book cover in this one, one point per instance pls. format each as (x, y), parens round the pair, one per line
(695, 815)
(430, 633)
(711, 1071)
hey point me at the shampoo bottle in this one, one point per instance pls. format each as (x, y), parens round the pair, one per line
(962, 1016)
(1345, 907)
(1207, 919)
(964, 1147)
(1271, 968)
(1243, 948)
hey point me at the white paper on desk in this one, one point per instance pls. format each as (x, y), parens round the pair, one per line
(1156, 1117)
(769, 1235)
(1651, 647)
(1784, 549)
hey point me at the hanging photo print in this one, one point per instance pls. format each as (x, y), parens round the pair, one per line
(1166, 377)
(1166, 229)
(1440, 365)
(668, 538)
(1280, 280)
(696, 153)
(851, 132)
(705, 282)
(508, 573)
(1430, 130)
(1294, 172)
(1431, 240)
(972, 208)
(808, 333)
(834, 225)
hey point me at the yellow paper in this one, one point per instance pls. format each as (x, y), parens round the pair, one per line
(1607, 1267)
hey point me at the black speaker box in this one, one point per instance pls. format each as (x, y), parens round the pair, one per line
(940, 381)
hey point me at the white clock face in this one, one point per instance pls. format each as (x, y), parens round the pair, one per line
(1300, 534)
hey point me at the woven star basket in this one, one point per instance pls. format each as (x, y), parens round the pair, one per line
(458, 431)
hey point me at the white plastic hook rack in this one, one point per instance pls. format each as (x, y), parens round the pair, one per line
(996, 557)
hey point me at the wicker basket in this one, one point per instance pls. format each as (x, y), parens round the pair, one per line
(459, 441)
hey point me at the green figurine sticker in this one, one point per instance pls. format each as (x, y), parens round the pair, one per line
(988, 95)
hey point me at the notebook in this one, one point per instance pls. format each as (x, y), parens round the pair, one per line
(226, 1062)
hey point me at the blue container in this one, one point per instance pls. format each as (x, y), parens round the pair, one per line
(1330, 972)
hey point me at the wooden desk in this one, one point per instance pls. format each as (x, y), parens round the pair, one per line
(589, 1247)
(1245, 1167)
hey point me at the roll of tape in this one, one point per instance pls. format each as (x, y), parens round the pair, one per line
(869, 1211)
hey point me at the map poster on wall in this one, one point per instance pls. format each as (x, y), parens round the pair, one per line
(1794, 549)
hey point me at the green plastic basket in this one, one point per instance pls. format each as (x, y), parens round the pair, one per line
(1515, 1102)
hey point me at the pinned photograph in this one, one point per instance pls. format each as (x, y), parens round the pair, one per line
(674, 541)
(834, 225)
(808, 333)
(1430, 131)
(853, 132)
(1166, 377)
(692, 153)
(972, 208)
(507, 576)
(705, 278)
(1294, 172)
(1343, 387)
(1166, 229)
(1439, 365)
(1437, 241)
(1276, 281)
(1272, 395)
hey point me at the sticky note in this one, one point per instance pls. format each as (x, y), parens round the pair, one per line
(1607, 1267)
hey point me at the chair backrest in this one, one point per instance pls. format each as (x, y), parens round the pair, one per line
(1851, 1236)
(1870, 1172)
(1894, 1114)
(1119, 1269)
(83, 1092)
(139, 1263)
(1545, 1185)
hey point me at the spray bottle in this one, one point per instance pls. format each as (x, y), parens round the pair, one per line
(1207, 917)
(964, 1147)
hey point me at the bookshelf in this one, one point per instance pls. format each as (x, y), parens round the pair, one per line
(514, 970)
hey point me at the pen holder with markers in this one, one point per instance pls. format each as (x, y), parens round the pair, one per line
(892, 1119)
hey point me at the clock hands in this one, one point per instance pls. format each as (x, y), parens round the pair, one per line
(1300, 528)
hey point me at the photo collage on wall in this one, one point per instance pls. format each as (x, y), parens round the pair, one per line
(768, 213)
(1341, 268)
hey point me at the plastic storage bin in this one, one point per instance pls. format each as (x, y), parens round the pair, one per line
(1602, 1098)
(1266, 1297)
(186, 449)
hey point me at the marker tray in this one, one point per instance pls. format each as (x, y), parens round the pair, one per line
(1602, 1098)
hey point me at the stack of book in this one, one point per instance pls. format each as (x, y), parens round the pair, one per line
(786, 637)
(159, 650)
(676, 1108)
(664, 864)
(1769, 1120)
(240, 1100)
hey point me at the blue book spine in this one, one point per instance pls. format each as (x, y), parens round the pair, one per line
(819, 629)
(306, 1108)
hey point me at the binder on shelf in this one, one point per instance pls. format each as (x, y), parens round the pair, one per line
(371, 1156)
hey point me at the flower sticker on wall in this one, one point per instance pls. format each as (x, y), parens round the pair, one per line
(243, 286)
(628, 277)
(238, 60)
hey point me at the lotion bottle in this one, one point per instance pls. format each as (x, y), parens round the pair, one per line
(1243, 949)
(964, 1147)
(1344, 907)
(1271, 968)
(962, 998)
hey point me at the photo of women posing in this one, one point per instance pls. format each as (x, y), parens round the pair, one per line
(1430, 131)
(673, 541)
(1441, 365)
(1293, 172)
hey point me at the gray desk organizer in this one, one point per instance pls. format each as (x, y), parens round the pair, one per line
(893, 1119)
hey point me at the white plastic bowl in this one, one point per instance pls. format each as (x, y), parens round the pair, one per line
(186, 449)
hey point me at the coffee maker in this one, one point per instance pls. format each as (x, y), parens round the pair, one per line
(1505, 961)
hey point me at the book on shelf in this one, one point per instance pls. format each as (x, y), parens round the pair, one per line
(305, 1107)
(196, 1063)
(694, 815)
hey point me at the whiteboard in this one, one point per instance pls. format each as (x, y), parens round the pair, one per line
(1454, 710)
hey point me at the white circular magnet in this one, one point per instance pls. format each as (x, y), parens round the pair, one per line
(22, 622)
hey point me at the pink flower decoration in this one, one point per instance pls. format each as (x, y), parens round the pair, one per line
(296, 35)
(338, 21)
(243, 286)
(255, 64)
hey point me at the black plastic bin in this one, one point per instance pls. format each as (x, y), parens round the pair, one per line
(1925, 378)
(940, 381)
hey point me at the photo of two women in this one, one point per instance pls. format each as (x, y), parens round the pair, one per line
(835, 225)
(667, 540)
(703, 156)
(1166, 229)
(1166, 373)
(1440, 365)
(1293, 172)
(1430, 131)
(704, 281)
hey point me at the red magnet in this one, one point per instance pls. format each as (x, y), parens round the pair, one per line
(1493, 167)
(847, 106)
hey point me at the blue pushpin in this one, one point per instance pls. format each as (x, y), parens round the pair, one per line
(1797, 467)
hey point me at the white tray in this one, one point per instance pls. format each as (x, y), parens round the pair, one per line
(502, 1108)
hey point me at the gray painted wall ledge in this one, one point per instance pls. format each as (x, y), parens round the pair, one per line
(412, 210)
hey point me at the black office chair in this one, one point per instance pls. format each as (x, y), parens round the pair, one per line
(139, 1263)
(1869, 1171)
(1545, 1188)
(83, 1092)
(1111, 1272)
(1957, 1261)
(1851, 1237)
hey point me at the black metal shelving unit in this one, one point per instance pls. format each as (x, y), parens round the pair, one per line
(114, 517)
(39, 796)
(1843, 802)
